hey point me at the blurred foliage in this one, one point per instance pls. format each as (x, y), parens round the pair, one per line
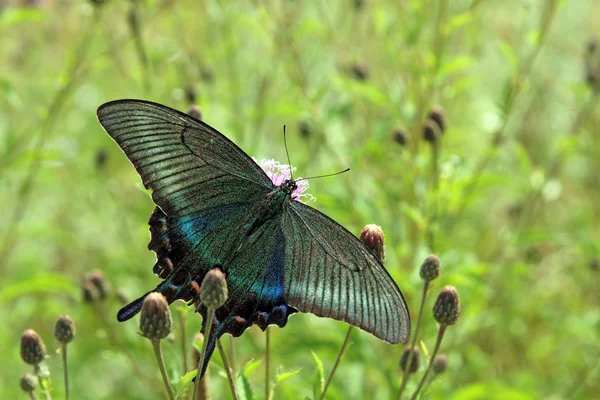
(514, 214)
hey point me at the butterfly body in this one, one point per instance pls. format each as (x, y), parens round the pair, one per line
(216, 208)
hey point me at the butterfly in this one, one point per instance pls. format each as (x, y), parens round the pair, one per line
(216, 207)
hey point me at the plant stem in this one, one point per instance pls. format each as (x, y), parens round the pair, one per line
(232, 360)
(32, 395)
(431, 358)
(42, 380)
(337, 362)
(406, 375)
(184, 350)
(210, 313)
(65, 370)
(228, 369)
(267, 366)
(161, 366)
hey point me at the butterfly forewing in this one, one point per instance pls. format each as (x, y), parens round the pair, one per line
(330, 273)
(189, 166)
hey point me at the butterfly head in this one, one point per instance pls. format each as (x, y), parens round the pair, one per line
(289, 186)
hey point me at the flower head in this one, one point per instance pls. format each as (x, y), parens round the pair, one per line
(155, 322)
(372, 236)
(447, 306)
(64, 331)
(279, 173)
(213, 291)
(33, 350)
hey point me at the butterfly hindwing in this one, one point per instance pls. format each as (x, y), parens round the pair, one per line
(189, 166)
(330, 273)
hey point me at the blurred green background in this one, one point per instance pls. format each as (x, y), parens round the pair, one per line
(515, 217)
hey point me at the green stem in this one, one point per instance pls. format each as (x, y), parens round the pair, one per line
(32, 395)
(209, 319)
(232, 360)
(414, 340)
(267, 366)
(435, 178)
(431, 358)
(161, 366)
(65, 369)
(42, 380)
(184, 350)
(228, 369)
(337, 362)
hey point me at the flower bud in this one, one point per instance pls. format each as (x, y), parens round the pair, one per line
(360, 72)
(213, 291)
(90, 292)
(431, 131)
(437, 115)
(447, 306)
(96, 278)
(430, 269)
(64, 331)
(440, 363)
(372, 236)
(400, 136)
(414, 362)
(305, 128)
(195, 112)
(33, 350)
(155, 322)
(28, 382)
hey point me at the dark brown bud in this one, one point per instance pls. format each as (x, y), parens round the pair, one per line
(64, 331)
(372, 236)
(155, 321)
(447, 306)
(96, 278)
(414, 362)
(195, 112)
(400, 136)
(437, 114)
(28, 383)
(430, 269)
(90, 292)
(100, 158)
(33, 350)
(213, 290)
(440, 363)
(431, 131)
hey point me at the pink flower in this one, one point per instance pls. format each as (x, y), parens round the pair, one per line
(279, 173)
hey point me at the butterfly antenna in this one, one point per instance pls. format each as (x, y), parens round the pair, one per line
(324, 176)
(287, 154)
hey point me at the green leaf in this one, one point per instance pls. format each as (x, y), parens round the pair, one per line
(246, 389)
(319, 383)
(285, 375)
(249, 367)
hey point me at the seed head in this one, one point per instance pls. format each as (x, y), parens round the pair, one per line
(195, 112)
(155, 322)
(414, 363)
(372, 236)
(431, 131)
(64, 331)
(213, 291)
(28, 382)
(447, 306)
(440, 363)
(96, 278)
(400, 136)
(437, 115)
(33, 350)
(430, 269)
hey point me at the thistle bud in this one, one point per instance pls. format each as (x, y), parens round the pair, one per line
(195, 112)
(447, 306)
(440, 363)
(414, 362)
(431, 131)
(372, 236)
(90, 292)
(33, 350)
(155, 322)
(213, 291)
(64, 331)
(430, 269)
(96, 278)
(437, 115)
(400, 136)
(28, 383)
